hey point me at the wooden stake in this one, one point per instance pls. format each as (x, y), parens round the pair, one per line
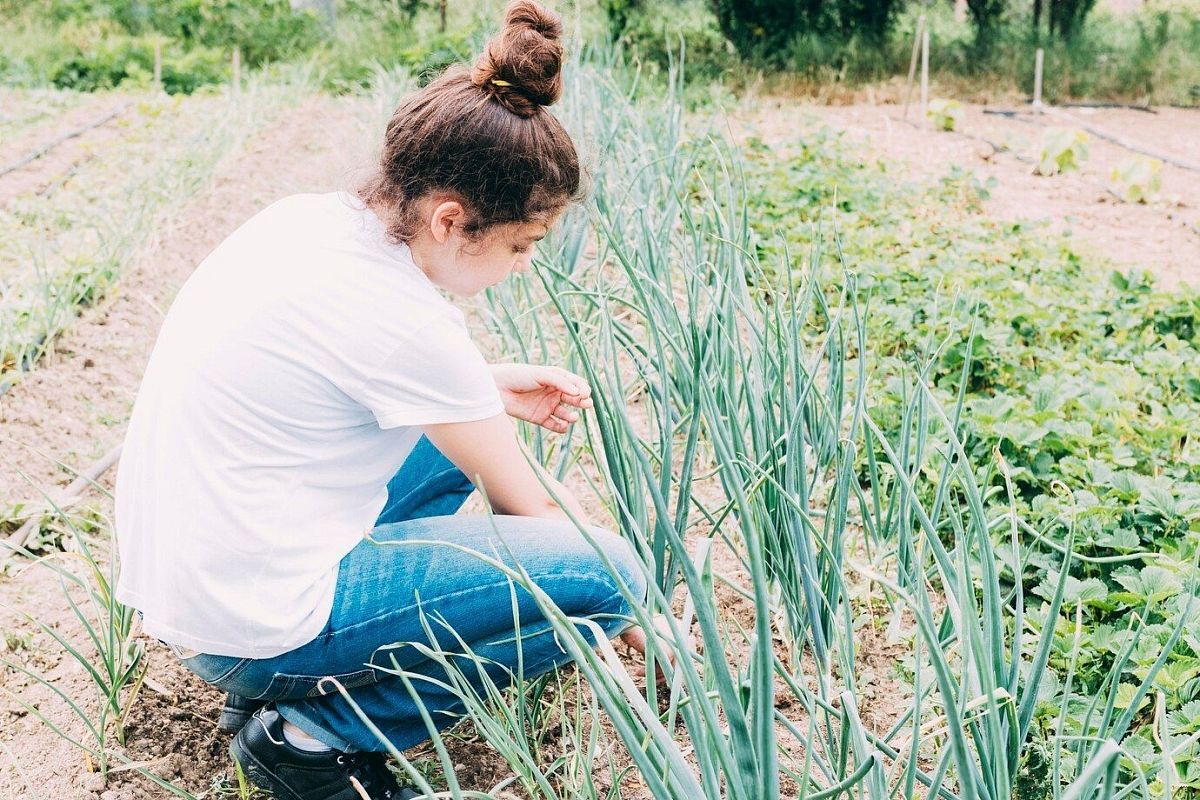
(912, 64)
(924, 75)
(237, 71)
(1038, 61)
(158, 66)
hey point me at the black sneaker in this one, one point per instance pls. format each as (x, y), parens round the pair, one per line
(289, 773)
(237, 712)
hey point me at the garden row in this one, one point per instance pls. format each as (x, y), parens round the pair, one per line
(1080, 395)
(770, 392)
(64, 243)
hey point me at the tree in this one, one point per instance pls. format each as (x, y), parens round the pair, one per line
(618, 13)
(1067, 16)
(763, 28)
(987, 15)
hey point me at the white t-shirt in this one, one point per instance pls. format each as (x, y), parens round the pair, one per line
(284, 391)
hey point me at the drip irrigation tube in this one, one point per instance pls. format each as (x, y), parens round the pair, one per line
(38, 152)
(1021, 114)
(1121, 106)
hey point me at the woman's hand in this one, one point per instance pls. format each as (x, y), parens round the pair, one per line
(547, 396)
(635, 639)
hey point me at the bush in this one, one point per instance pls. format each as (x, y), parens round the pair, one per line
(367, 43)
(94, 58)
(1066, 16)
(89, 44)
(763, 29)
(656, 38)
(619, 13)
(264, 30)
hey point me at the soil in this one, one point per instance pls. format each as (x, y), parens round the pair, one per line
(1162, 237)
(51, 167)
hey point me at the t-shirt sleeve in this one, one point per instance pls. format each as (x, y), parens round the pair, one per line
(438, 375)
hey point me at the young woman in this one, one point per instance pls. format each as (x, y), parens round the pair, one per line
(314, 414)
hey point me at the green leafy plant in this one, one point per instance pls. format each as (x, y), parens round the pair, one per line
(946, 115)
(1063, 150)
(1138, 178)
(1040, 384)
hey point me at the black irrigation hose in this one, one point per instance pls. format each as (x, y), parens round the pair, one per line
(1099, 133)
(38, 152)
(1122, 106)
(999, 148)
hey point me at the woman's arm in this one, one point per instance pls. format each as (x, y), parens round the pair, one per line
(488, 452)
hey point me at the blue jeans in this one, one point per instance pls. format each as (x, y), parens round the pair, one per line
(382, 590)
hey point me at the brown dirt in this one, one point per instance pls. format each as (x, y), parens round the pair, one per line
(1162, 237)
(73, 408)
(62, 159)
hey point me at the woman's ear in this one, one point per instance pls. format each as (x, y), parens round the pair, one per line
(445, 216)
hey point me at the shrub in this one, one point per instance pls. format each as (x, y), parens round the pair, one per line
(618, 13)
(93, 58)
(656, 38)
(369, 42)
(1066, 16)
(762, 29)
(265, 30)
(89, 44)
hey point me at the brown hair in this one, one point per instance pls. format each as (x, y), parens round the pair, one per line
(483, 135)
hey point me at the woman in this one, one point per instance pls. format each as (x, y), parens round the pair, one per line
(312, 398)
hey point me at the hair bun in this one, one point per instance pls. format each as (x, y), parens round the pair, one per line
(522, 65)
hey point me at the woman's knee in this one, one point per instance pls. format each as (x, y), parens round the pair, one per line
(626, 567)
